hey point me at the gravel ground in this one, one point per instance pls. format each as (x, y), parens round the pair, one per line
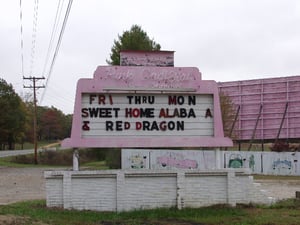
(18, 184)
(279, 189)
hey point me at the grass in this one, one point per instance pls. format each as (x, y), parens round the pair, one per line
(28, 145)
(275, 177)
(89, 158)
(8, 162)
(95, 165)
(35, 212)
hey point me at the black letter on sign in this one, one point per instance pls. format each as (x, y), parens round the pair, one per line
(109, 125)
(85, 125)
(208, 113)
(119, 125)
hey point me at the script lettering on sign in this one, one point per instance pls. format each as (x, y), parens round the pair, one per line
(146, 114)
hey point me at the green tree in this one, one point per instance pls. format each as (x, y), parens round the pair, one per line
(67, 125)
(134, 39)
(29, 121)
(13, 115)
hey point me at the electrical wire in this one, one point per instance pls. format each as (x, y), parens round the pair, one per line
(55, 96)
(34, 34)
(57, 47)
(53, 34)
(22, 45)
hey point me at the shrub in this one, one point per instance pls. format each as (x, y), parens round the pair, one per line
(65, 157)
(280, 146)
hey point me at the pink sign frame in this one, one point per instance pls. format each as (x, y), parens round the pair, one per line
(146, 79)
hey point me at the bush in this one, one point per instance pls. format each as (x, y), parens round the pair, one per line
(24, 159)
(65, 157)
(113, 158)
(280, 147)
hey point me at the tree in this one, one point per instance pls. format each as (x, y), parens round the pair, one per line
(228, 112)
(134, 39)
(53, 124)
(13, 115)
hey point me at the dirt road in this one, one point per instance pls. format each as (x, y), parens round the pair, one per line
(18, 184)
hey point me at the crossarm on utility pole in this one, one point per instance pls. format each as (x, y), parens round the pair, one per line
(34, 87)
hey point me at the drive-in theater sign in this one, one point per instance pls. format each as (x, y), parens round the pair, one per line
(146, 106)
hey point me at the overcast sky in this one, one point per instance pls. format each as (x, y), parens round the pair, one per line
(227, 40)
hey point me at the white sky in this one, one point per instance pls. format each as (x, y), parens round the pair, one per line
(227, 40)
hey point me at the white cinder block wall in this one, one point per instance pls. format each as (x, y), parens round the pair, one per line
(123, 190)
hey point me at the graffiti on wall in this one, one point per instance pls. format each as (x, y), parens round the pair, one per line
(176, 160)
(138, 161)
(282, 166)
(239, 160)
(279, 164)
(287, 163)
(251, 163)
(235, 161)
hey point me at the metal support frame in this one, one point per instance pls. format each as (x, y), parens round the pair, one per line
(254, 131)
(281, 123)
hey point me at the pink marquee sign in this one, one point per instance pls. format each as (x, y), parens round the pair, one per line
(140, 106)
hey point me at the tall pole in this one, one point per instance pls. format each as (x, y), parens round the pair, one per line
(34, 87)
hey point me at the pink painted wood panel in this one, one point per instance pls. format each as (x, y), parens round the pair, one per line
(273, 94)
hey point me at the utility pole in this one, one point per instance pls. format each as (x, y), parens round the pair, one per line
(34, 86)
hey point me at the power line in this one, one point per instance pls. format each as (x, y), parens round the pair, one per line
(58, 46)
(34, 34)
(54, 29)
(22, 47)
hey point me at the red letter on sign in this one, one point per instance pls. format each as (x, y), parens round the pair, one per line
(126, 125)
(85, 125)
(138, 125)
(101, 99)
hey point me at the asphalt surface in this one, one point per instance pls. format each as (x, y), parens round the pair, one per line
(16, 152)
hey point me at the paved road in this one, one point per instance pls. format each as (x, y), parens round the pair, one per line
(23, 152)
(16, 152)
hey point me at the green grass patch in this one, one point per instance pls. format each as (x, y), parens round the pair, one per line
(275, 177)
(89, 159)
(9, 162)
(35, 212)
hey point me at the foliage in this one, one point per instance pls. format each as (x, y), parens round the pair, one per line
(134, 39)
(35, 212)
(53, 124)
(16, 121)
(64, 157)
(228, 112)
(280, 146)
(13, 115)
(113, 158)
